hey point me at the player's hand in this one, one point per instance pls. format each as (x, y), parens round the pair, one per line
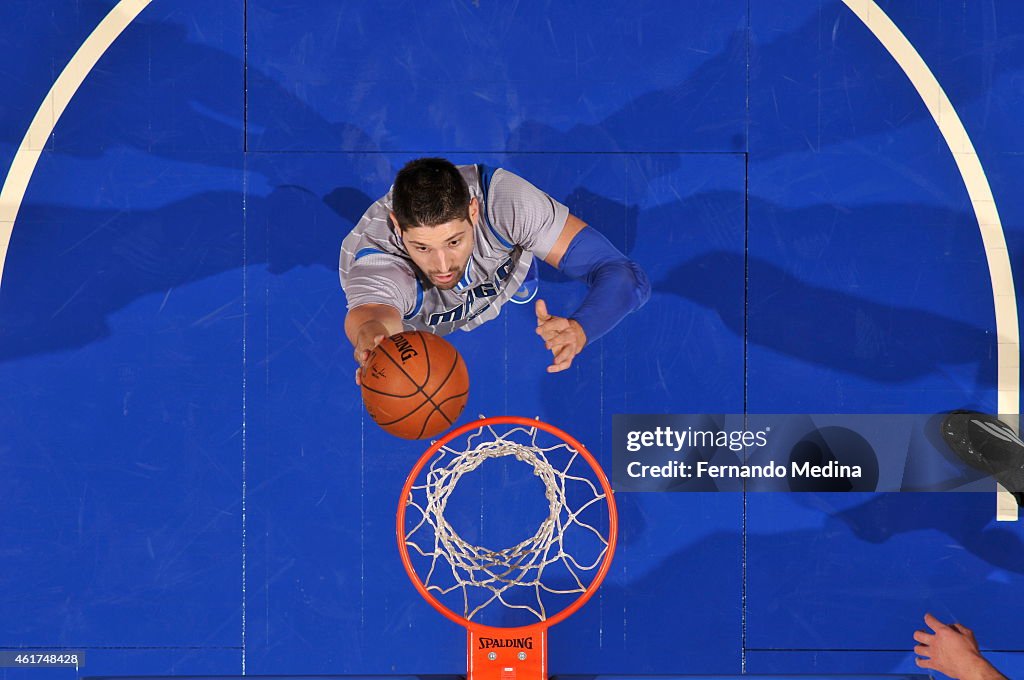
(369, 337)
(951, 650)
(564, 337)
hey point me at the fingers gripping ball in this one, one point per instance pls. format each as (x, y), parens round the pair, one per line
(415, 385)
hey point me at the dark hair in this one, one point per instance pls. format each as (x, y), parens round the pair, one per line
(429, 192)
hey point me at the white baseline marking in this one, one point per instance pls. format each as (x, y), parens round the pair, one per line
(973, 174)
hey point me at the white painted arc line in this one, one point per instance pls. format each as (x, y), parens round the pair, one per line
(57, 99)
(983, 202)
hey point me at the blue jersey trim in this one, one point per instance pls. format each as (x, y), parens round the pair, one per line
(485, 185)
(363, 252)
(466, 276)
(419, 302)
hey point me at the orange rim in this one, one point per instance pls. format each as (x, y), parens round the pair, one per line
(613, 523)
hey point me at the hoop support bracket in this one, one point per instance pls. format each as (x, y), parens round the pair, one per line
(506, 653)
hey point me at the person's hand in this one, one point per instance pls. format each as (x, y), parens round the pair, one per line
(370, 335)
(564, 337)
(951, 650)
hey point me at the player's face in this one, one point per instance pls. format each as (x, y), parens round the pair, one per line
(442, 252)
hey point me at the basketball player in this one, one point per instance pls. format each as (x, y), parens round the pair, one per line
(448, 246)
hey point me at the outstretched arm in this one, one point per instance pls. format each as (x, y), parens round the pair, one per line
(367, 325)
(617, 285)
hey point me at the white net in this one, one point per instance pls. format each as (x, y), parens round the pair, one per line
(537, 575)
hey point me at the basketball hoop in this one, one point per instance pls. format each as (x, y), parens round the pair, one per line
(544, 578)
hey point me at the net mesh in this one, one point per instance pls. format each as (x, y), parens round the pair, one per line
(533, 575)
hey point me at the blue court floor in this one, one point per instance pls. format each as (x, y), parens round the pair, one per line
(189, 482)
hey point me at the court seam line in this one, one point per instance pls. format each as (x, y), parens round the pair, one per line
(72, 648)
(901, 650)
(245, 76)
(495, 152)
(245, 406)
(744, 512)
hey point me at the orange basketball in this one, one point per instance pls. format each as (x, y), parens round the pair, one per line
(415, 384)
